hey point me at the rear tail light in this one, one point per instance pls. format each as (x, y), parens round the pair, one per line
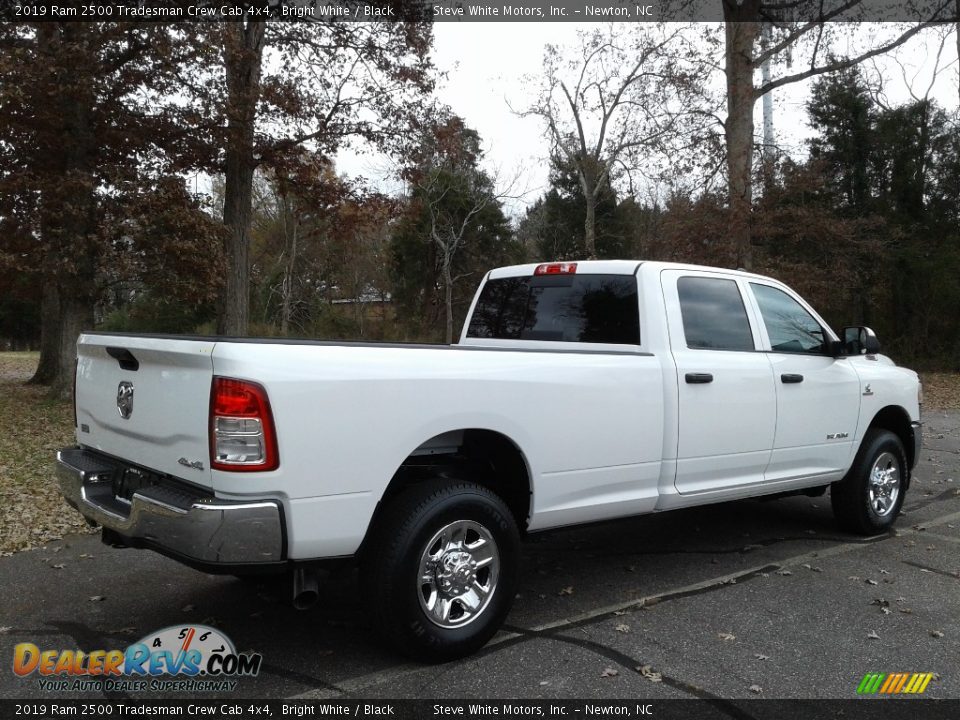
(242, 435)
(556, 269)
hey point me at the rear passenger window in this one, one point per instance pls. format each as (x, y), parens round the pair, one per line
(564, 308)
(714, 317)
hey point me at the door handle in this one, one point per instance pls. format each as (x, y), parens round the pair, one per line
(699, 378)
(791, 378)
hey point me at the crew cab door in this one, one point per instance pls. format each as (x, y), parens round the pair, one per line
(726, 395)
(818, 396)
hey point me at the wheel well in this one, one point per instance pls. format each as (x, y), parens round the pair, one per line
(485, 457)
(896, 420)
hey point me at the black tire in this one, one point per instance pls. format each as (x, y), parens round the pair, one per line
(393, 585)
(859, 504)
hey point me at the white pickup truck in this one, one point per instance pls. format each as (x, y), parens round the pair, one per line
(577, 392)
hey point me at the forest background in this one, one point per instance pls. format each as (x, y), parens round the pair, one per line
(182, 178)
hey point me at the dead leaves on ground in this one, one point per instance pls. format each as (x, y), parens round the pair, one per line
(32, 428)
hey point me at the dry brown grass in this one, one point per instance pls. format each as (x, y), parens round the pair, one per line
(32, 428)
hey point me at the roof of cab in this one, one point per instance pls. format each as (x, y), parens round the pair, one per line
(615, 267)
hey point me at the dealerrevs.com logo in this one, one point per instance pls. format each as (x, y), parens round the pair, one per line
(180, 658)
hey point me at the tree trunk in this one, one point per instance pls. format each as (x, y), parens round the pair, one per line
(590, 226)
(288, 269)
(69, 217)
(742, 31)
(243, 55)
(448, 295)
(49, 333)
(588, 184)
(76, 315)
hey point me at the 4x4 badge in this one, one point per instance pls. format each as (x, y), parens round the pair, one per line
(125, 399)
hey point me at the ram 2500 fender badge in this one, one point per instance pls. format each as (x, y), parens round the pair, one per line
(125, 399)
(837, 436)
(867, 390)
(195, 464)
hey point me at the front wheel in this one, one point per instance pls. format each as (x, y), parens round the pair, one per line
(440, 569)
(868, 499)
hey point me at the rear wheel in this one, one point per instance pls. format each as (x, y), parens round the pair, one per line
(439, 571)
(868, 499)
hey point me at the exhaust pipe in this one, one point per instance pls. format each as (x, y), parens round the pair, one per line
(306, 589)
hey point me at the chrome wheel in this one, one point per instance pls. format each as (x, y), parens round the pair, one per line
(458, 573)
(883, 485)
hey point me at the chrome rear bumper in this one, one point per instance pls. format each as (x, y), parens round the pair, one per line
(172, 519)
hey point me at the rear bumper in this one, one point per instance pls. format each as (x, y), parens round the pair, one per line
(175, 520)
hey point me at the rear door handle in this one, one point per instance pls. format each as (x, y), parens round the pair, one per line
(791, 378)
(699, 378)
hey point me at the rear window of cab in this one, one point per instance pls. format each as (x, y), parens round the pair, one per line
(559, 308)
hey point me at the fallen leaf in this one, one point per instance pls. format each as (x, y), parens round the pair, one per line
(936, 634)
(871, 582)
(58, 566)
(649, 673)
(884, 572)
(619, 612)
(885, 611)
(761, 656)
(4, 629)
(756, 689)
(609, 672)
(873, 635)
(86, 556)
(623, 628)
(187, 608)
(782, 571)
(726, 636)
(906, 611)
(544, 682)
(97, 598)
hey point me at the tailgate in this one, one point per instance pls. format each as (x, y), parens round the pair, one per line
(147, 400)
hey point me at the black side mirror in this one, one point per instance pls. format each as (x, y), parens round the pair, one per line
(860, 340)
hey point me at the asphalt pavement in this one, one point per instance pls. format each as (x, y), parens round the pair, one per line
(748, 599)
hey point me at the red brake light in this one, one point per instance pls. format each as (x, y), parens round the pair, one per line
(242, 434)
(556, 269)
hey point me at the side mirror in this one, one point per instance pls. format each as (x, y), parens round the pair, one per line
(860, 340)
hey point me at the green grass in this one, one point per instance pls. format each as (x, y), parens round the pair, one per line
(32, 428)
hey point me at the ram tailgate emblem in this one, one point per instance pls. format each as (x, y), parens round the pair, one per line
(125, 399)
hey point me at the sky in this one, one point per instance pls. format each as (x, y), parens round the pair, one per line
(486, 64)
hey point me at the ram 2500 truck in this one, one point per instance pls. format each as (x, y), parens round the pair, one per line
(577, 392)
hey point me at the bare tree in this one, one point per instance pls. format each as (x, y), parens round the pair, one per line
(800, 29)
(619, 99)
(455, 204)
